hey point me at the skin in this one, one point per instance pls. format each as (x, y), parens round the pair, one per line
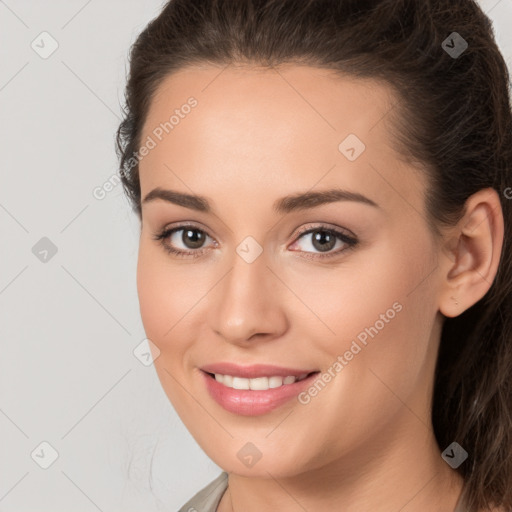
(365, 442)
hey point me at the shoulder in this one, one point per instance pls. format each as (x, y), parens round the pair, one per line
(207, 499)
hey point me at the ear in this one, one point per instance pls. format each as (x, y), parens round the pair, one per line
(470, 258)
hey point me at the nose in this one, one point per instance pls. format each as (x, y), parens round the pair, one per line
(246, 305)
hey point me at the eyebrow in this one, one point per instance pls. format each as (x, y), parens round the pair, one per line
(299, 201)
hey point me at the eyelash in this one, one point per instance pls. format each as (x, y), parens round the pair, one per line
(351, 242)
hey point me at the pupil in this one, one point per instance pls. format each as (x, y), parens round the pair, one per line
(326, 242)
(194, 241)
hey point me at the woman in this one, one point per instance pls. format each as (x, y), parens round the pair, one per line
(324, 267)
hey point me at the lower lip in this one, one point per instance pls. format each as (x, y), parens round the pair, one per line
(247, 402)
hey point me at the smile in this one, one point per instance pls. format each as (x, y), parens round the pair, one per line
(254, 390)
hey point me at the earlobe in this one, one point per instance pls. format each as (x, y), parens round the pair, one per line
(470, 259)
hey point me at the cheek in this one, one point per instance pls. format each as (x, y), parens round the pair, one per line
(149, 289)
(162, 306)
(169, 300)
(383, 311)
(382, 316)
(157, 287)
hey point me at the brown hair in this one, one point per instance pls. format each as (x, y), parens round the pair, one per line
(453, 117)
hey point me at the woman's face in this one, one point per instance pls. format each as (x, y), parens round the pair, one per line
(359, 308)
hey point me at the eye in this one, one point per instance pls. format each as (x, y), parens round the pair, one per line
(188, 235)
(324, 239)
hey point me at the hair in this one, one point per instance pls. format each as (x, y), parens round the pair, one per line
(453, 117)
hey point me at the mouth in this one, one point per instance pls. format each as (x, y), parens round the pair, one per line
(254, 390)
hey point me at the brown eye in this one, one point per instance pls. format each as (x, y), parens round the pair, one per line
(192, 238)
(183, 241)
(321, 240)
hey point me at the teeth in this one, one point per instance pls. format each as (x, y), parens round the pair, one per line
(239, 383)
(275, 382)
(258, 383)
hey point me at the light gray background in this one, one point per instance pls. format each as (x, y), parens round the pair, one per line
(69, 326)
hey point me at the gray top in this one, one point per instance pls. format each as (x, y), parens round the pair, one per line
(208, 498)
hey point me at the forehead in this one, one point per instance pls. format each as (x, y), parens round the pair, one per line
(271, 127)
(297, 101)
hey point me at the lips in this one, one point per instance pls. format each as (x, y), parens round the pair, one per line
(267, 395)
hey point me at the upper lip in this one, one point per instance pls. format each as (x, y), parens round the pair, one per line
(254, 370)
